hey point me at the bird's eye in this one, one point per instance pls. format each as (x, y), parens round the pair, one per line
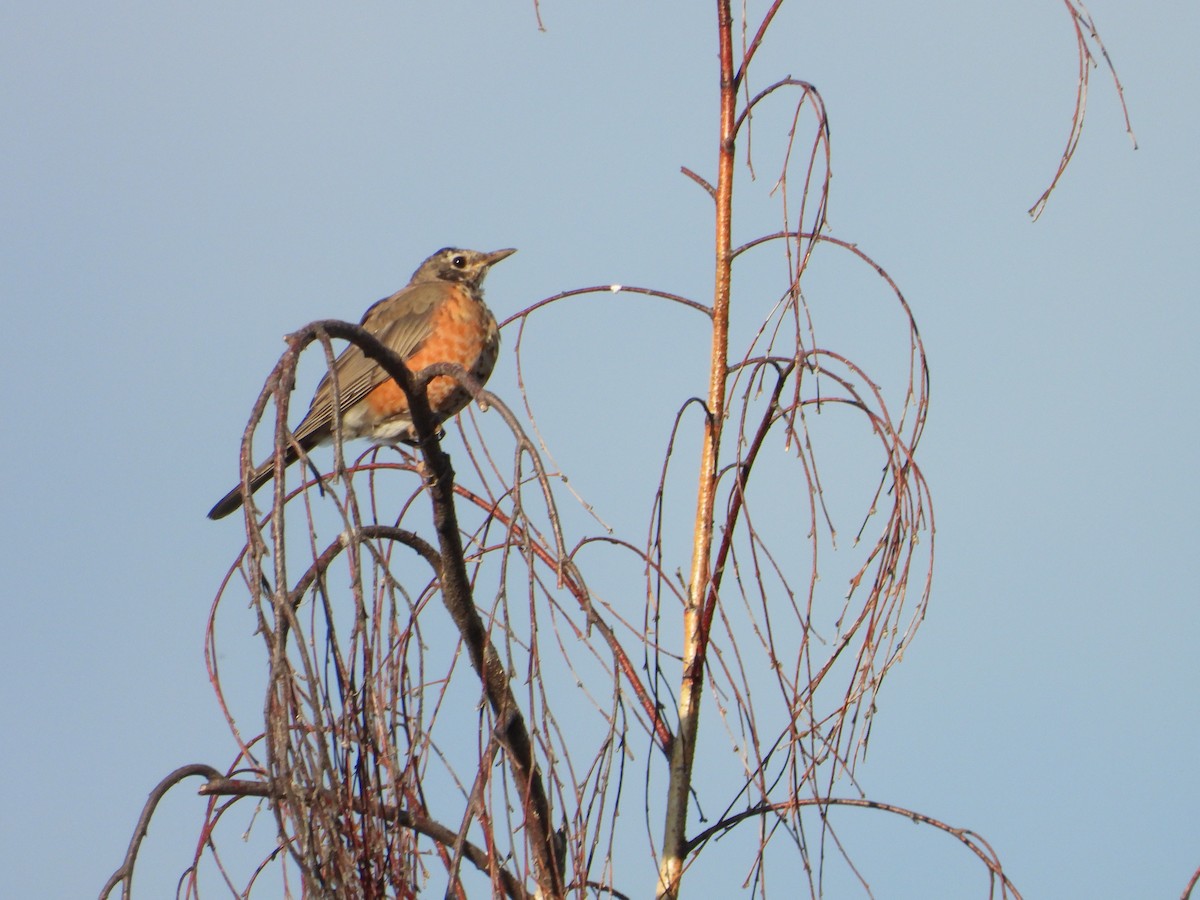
(459, 261)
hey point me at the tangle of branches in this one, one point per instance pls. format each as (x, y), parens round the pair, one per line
(468, 679)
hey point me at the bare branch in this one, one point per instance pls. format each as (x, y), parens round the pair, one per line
(1081, 21)
(124, 875)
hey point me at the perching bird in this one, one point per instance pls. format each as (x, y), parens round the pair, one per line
(439, 317)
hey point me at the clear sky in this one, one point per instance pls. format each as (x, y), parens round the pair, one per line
(184, 184)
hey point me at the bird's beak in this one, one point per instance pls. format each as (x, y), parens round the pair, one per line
(496, 255)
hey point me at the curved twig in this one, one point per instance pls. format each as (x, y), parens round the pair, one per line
(1081, 21)
(124, 875)
(973, 841)
(605, 289)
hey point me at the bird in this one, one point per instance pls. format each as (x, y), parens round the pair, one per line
(438, 317)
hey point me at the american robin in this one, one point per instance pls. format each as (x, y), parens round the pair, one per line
(439, 317)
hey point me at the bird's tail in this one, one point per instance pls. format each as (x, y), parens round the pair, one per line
(264, 473)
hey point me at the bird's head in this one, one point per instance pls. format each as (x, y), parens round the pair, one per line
(464, 266)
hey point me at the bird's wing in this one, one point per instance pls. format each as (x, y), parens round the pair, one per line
(403, 322)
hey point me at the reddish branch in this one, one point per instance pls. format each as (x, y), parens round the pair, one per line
(1191, 885)
(694, 643)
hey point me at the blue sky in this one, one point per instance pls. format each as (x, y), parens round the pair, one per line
(184, 185)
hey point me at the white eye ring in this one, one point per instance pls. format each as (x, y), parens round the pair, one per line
(458, 262)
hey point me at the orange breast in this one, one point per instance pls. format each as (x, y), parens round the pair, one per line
(463, 333)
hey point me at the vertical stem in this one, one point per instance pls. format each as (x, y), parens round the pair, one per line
(695, 640)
